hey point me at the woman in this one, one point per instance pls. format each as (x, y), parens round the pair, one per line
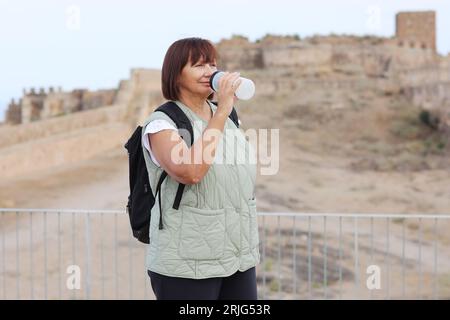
(209, 246)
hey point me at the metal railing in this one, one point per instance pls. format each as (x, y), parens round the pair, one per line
(78, 254)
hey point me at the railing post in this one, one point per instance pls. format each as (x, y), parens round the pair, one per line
(102, 265)
(3, 260)
(371, 249)
(387, 259)
(130, 253)
(31, 257)
(325, 257)
(356, 253)
(59, 257)
(264, 257)
(116, 281)
(294, 258)
(73, 248)
(420, 258)
(45, 257)
(17, 258)
(340, 258)
(436, 283)
(279, 256)
(403, 258)
(309, 256)
(88, 255)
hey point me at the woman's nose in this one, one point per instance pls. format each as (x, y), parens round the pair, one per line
(209, 69)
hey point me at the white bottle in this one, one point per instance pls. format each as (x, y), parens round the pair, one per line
(245, 91)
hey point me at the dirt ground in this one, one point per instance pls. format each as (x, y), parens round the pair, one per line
(367, 161)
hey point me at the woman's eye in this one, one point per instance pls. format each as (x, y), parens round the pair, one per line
(202, 65)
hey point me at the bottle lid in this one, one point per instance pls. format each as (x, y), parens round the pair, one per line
(211, 80)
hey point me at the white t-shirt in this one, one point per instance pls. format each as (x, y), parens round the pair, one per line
(156, 126)
(153, 127)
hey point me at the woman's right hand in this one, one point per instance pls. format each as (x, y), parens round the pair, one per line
(228, 84)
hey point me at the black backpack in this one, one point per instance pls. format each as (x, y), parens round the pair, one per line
(141, 198)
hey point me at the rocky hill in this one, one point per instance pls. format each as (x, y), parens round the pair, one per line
(358, 106)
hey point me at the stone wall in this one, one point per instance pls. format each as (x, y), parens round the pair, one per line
(54, 142)
(12, 135)
(141, 93)
(75, 136)
(238, 52)
(61, 149)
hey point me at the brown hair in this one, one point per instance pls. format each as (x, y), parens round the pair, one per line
(177, 56)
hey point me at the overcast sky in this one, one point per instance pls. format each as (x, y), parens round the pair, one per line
(93, 44)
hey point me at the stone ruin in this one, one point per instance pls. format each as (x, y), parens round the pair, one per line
(34, 106)
(416, 29)
(406, 63)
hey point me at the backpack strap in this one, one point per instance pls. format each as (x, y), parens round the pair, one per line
(178, 116)
(173, 111)
(158, 191)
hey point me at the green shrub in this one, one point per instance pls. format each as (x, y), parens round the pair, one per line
(274, 285)
(428, 119)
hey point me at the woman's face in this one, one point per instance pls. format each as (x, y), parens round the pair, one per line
(194, 78)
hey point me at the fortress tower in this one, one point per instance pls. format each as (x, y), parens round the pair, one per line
(416, 29)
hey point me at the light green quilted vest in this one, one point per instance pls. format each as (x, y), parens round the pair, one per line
(214, 232)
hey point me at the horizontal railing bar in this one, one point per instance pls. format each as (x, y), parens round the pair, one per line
(355, 215)
(60, 210)
(284, 214)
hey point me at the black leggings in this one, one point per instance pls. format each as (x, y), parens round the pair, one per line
(238, 286)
